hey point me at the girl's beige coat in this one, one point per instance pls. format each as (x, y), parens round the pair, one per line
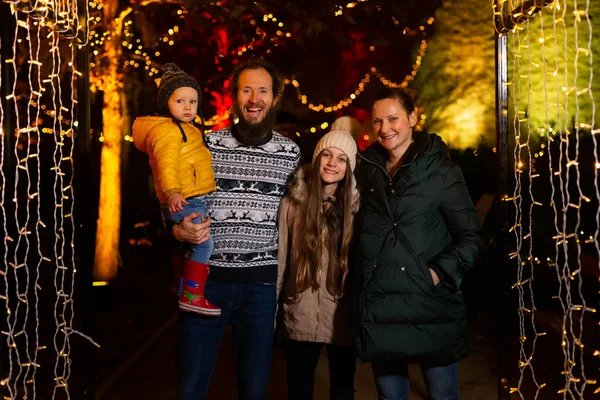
(312, 316)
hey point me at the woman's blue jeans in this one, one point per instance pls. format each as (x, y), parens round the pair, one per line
(392, 381)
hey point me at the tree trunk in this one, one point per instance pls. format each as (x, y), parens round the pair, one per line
(113, 118)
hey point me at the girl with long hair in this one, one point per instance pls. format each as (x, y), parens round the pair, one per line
(315, 230)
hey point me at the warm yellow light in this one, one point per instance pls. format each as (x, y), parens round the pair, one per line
(100, 283)
(108, 227)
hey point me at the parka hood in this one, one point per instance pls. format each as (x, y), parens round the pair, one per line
(424, 145)
(425, 153)
(143, 125)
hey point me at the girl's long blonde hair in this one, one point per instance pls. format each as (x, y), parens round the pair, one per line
(308, 241)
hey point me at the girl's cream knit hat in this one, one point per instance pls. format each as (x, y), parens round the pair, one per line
(340, 137)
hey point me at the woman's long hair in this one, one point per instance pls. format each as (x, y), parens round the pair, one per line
(309, 242)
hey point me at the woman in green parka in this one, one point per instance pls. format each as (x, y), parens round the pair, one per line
(417, 234)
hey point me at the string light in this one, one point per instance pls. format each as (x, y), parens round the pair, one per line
(152, 67)
(347, 101)
(60, 16)
(360, 87)
(352, 4)
(24, 244)
(409, 77)
(6, 297)
(566, 68)
(334, 107)
(142, 57)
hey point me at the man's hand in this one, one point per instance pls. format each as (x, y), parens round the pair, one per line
(175, 201)
(187, 231)
(434, 275)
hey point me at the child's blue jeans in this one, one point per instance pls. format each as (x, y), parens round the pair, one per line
(196, 252)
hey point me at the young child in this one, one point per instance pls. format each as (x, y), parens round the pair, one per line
(182, 169)
(315, 228)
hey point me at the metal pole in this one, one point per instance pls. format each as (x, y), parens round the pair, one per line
(502, 114)
(502, 189)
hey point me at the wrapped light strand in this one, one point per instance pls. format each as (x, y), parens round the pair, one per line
(59, 15)
(143, 57)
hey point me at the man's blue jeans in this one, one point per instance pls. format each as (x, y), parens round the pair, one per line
(250, 309)
(392, 381)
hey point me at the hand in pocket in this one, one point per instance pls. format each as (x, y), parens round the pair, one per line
(434, 276)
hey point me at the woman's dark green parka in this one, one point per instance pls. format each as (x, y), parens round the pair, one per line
(420, 218)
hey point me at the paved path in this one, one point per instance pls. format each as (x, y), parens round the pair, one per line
(152, 377)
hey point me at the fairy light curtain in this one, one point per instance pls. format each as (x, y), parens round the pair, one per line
(38, 124)
(556, 198)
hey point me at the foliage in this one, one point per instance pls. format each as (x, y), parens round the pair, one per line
(214, 36)
(456, 81)
(550, 68)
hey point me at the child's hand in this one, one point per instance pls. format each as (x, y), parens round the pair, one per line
(175, 202)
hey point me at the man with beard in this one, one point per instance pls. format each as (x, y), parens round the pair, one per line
(252, 164)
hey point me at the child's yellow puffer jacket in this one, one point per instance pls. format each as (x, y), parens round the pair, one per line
(177, 166)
